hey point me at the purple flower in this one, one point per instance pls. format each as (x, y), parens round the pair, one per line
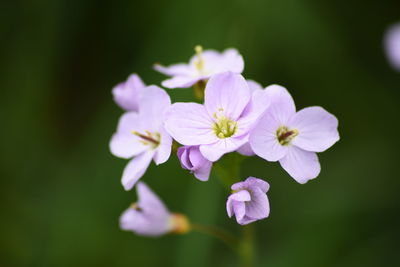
(222, 124)
(201, 67)
(142, 135)
(392, 45)
(191, 159)
(293, 138)
(127, 94)
(248, 201)
(150, 217)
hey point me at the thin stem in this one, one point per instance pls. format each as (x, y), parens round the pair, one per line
(246, 247)
(220, 234)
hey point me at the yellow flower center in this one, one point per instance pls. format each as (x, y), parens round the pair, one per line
(149, 138)
(224, 127)
(284, 135)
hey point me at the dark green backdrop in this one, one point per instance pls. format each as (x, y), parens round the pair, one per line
(60, 187)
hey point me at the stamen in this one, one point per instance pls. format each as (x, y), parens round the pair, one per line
(285, 136)
(224, 127)
(200, 61)
(149, 138)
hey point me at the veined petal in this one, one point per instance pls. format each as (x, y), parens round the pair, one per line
(240, 210)
(317, 129)
(263, 139)
(300, 164)
(163, 150)
(203, 172)
(135, 169)
(282, 105)
(215, 151)
(227, 94)
(258, 207)
(126, 145)
(189, 124)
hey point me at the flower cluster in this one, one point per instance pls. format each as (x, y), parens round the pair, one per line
(236, 116)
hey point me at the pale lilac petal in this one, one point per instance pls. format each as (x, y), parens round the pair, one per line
(203, 173)
(229, 207)
(126, 145)
(215, 151)
(300, 164)
(189, 124)
(258, 207)
(227, 94)
(240, 210)
(282, 105)
(180, 82)
(130, 121)
(135, 169)
(148, 200)
(256, 182)
(317, 129)
(263, 139)
(126, 94)
(246, 220)
(254, 86)
(229, 60)
(163, 150)
(392, 45)
(173, 70)
(183, 155)
(153, 104)
(246, 150)
(242, 195)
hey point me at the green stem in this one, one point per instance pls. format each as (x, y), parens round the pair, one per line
(247, 247)
(220, 234)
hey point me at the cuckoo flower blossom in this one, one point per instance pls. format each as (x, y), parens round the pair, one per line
(248, 201)
(222, 124)
(191, 159)
(150, 217)
(127, 94)
(142, 135)
(201, 67)
(392, 45)
(293, 138)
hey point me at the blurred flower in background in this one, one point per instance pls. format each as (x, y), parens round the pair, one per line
(392, 45)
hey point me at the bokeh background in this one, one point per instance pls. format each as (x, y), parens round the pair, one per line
(60, 187)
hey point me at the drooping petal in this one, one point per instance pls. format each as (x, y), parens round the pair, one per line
(252, 182)
(189, 124)
(300, 164)
(127, 94)
(240, 210)
(227, 94)
(263, 139)
(174, 70)
(153, 104)
(180, 82)
(201, 167)
(126, 145)
(149, 201)
(214, 151)
(258, 207)
(135, 169)
(282, 106)
(203, 172)
(163, 150)
(317, 129)
(242, 195)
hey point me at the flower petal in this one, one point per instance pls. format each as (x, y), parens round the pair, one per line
(214, 151)
(149, 201)
(226, 93)
(163, 150)
(253, 86)
(153, 105)
(135, 169)
(240, 210)
(317, 129)
(242, 195)
(246, 150)
(174, 70)
(300, 164)
(189, 124)
(258, 207)
(257, 182)
(126, 94)
(126, 145)
(203, 173)
(263, 139)
(180, 81)
(282, 105)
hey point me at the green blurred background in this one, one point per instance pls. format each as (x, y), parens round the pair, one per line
(60, 187)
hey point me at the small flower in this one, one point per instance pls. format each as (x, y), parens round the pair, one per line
(201, 67)
(150, 217)
(293, 138)
(392, 45)
(127, 94)
(142, 135)
(222, 124)
(248, 201)
(191, 159)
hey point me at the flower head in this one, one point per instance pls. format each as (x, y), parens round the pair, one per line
(142, 135)
(201, 67)
(127, 94)
(191, 159)
(222, 124)
(392, 45)
(150, 217)
(249, 201)
(293, 137)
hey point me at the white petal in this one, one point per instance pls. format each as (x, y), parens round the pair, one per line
(135, 169)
